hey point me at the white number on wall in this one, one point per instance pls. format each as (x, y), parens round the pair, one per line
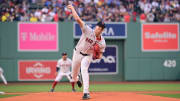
(170, 63)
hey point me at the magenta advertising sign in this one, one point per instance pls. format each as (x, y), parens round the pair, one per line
(37, 36)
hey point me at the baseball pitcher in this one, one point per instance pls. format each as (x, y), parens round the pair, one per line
(63, 69)
(90, 46)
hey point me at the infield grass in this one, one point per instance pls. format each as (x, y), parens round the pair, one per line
(66, 87)
(8, 95)
(166, 95)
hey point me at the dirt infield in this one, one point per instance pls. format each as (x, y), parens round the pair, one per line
(95, 96)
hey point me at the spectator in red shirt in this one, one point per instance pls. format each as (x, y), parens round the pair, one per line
(134, 16)
(127, 18)
(56, 18)
(142, 17)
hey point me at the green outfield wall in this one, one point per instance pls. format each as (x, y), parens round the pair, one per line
(148, 65)
(134, 64)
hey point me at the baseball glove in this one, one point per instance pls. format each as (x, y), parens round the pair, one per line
(96, 53)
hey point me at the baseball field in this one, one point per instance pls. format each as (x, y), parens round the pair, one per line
(102, 91)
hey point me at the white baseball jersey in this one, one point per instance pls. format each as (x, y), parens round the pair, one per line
(64, 65)
(88, 39)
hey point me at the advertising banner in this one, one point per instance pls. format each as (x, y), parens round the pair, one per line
(108, 64)
(160, 37)
(37, 36)
(113, 30)
(36, 70)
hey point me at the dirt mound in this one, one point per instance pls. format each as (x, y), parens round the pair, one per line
(95, 96)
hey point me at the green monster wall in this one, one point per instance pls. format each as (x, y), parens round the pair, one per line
(133, 64)
(148, 65)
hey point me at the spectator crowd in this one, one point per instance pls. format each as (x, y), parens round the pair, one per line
(90, 10)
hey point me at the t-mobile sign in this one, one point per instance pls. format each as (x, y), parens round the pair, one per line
(37, 36)
(160, 37)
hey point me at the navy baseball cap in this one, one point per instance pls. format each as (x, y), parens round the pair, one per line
(64, 53)
(101, 24)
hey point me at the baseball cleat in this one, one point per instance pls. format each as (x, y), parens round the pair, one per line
(2, 93)
(86, 96)
(79, 84)
(73, 90)
(52, 90)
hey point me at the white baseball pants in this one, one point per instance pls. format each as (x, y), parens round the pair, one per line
(3, 78)
(61, 74)
(83, 62)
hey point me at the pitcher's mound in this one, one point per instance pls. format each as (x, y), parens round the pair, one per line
(95, 96)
